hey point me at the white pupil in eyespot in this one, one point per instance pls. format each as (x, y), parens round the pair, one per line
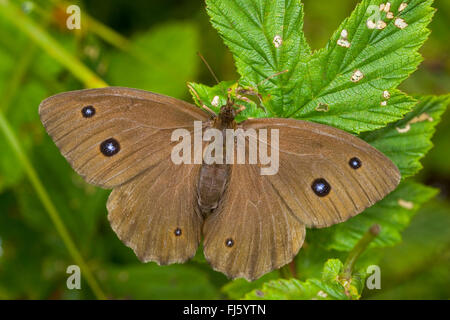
(320, 187)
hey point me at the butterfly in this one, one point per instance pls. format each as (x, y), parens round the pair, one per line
(120, 138)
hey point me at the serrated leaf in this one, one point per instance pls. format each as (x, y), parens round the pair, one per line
(266, 38)
(383, 57)
(212, 97)
(329, 287)
(215, 97)
(393, 214)
(407, 141)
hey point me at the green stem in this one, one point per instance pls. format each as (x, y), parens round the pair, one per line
(288, 271)
(48, 205)
(85, 75)
(104, 32)
(15, 16)
(359, 248)
(18, 76)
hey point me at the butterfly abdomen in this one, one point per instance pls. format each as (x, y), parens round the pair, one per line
(212, 183)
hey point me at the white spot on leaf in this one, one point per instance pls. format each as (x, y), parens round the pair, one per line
(403, 130)
(402, 7)
(386, 94)
(382, 6)
(322, 294)
(400, 23)
(277, 41)
(357, 76)
(381, 25)
(390, 15)
(322, 107)
(371, 24)
(405, 204)
(215, 101)
(343, 42)
(383, 103)
(387, 7)
(423, 117)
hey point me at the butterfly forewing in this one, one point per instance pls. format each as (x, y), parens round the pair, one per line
(326, 175)
(111, 135)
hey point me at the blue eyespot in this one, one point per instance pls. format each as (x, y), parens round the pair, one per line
(321, 187)
(110, 147)
(88, 111)
(355, 163)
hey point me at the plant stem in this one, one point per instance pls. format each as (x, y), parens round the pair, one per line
(15, 16)
(285, 272)
(288, 271)
(103, 31)
(358, 249)
(48, 205)
(18, 76)
(85, 75)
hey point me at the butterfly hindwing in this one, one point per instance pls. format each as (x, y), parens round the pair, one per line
(253, 231)
(155, 213)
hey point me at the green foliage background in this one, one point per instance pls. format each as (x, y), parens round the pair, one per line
(50, 218)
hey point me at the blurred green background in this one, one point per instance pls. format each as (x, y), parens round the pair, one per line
(152, 45)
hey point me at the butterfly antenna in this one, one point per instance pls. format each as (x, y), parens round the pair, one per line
(208, 66)
(204, 106)
(270, 77)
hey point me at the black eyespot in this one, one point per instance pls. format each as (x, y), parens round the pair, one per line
(88, 111)
(355, 163)
(229, 242)
(110, 147)
(321, 187)
(177, 232)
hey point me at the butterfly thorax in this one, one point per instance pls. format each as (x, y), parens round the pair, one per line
(225, 119)
(213, 178)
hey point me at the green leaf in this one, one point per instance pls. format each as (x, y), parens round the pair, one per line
(152, 62)
(266, 38)
(205, 95)
(237, 288)
(318, 87)
(150, 281)
(384, 57)
(215, 97)
(393, 214)
(330, 286)
(407, 141)
(418, 267)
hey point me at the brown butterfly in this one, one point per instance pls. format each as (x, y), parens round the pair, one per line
(120, 139)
